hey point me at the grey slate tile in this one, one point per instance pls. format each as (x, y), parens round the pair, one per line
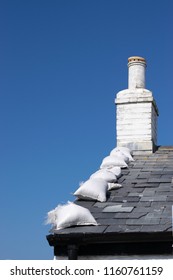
(94, 210)
(143, 221)
(153, 215)
(143, 175)
(119, 193)
(154, 198)
(167, 176)
(166, 215)
(101, 215)
(84, 203)
(109, 222)
(148, 192)
(146, 198)
(121, 180)
(83, 229)
(132, 198)
(137, 215)
(155, 176)
(125, 172)
(142, 210)
(154, 180)
(167, 193)
(170, 198)
(168, 169)
(133, 228)
(153, 170)
(164, 221)
(168, 208)
(155, 204)
(104, 204)
(144, 204)
(169, 229)
(115, 228)
(121, 215)
(138, 181)
(147, 185)
(165, 186)
(135, 194)
(164, 180)
(117, 199)
(116, 209)
(136, 189)
(152, 228)
(166, 172)
(120, 221)
(129, 203)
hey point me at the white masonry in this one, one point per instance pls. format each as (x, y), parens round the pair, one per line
(136, 121)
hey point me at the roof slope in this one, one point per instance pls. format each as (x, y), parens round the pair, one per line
(141, 209)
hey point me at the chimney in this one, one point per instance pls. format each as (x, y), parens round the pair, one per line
(136, 120)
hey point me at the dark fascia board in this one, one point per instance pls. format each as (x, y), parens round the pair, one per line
(114, 249)
(130, 237)
(114, 244)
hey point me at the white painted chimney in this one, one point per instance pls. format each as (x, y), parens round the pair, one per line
(136, 118)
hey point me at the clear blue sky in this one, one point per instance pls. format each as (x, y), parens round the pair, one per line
(61, 64)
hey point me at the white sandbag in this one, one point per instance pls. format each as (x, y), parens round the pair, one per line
(114, 186)
(119, 154)
(68, 215)
(116, 170)
(111, 161)
(94, 189)
(126, 151)
(104, 174)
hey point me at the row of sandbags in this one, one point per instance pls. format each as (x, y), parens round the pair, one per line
(95, 188)
(106, 177)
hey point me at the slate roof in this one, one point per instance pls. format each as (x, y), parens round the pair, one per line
(140, 211)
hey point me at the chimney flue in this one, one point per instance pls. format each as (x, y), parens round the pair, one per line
(136, 73)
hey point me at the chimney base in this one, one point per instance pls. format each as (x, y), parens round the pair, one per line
(139, 148)
(136, 123)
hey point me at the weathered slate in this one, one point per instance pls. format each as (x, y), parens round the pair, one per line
(142, 206)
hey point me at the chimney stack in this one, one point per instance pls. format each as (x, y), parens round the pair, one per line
(136, 118)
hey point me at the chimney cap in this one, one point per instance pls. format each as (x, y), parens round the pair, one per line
(136, 59)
